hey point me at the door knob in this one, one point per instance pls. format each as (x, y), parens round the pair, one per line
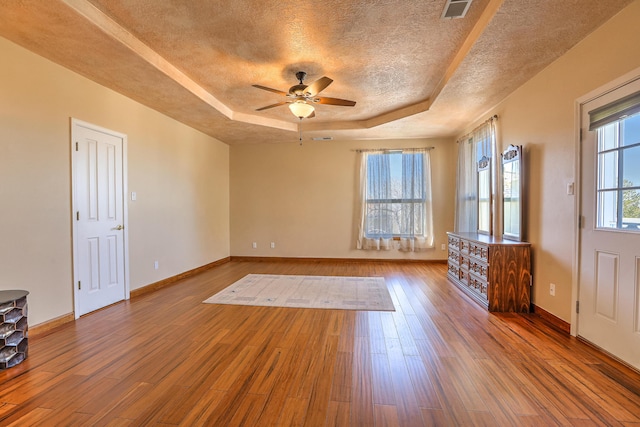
(119, 227)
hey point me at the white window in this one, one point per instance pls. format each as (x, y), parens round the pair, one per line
(396, 195)
(618, 163)
(618, 178)
(395, 200)
(475, 179)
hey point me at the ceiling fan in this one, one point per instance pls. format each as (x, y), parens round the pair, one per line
(302, 96)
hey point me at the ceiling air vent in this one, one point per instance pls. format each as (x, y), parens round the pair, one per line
(456, 9)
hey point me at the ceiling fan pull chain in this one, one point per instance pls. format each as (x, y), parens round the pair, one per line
(300, 131)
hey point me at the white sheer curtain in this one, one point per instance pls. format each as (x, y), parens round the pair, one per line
(388, 208)
(416, 218)
(466, 216)
(376, 218)
(481, 142)
(378, 214)
(361, 201)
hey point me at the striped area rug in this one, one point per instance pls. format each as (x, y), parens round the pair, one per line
(331, 292)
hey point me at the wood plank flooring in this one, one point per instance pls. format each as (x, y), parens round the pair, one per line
(165, 358)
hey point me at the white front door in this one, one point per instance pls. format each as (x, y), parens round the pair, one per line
(609, 261)
(99, 235)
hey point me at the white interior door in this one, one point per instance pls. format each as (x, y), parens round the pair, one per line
(609, 260)
(99, 218)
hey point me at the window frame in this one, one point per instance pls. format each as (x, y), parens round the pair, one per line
(619, 149)
(399, 201)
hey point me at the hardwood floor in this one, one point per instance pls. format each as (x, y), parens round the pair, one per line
(165, 358)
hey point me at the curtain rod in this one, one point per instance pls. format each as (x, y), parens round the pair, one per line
(370, 150)
(494, 117)
(467, 135)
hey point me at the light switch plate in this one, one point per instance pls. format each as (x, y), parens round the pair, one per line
(570, 189)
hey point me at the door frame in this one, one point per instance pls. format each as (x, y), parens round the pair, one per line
(578, 111)
(75, 124)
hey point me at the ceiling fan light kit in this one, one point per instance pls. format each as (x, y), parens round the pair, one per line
(301, 109)
(302, 96)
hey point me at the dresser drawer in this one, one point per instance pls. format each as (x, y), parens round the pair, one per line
(454, 242)
(464, 246)
(479, 268)
(478, 250)
(463, 261)
(454, 256)
(478, 285)
(454, 271)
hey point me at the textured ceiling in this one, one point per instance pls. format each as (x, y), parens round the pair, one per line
(411, 73)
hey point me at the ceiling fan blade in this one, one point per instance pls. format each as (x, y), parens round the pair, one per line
(270, 90)
(273, 105)
(318, 86)
(312, 115)
(336, 101)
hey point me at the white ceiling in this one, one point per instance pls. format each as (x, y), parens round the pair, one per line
(411, 73)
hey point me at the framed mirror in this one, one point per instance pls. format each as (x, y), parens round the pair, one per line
(485, 213)
(512, 193)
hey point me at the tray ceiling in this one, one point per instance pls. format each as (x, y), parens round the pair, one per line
(412, 74)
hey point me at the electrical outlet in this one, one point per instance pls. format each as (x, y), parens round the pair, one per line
(552, 289)
(254, 245)
(273, 245)
(443, 247)
(156, 265)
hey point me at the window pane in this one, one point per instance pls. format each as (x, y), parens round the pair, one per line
(608, 137)
(412, 167)
(631, 209)
(631, 166)
(631, 130)
(378, 177)
(412, 218)
(483, 215)
(379, 219)
(608, 209)
(395, 162)
(608, 170)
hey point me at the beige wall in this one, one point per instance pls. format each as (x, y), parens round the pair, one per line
(302, 198)
(541, 116)
(181, 177)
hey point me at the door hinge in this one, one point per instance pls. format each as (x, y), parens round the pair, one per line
(76, 146)
(79, 285)
(580, 134)
(577, 307)
(77, 215)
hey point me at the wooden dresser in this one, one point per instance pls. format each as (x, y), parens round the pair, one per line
(493, 271)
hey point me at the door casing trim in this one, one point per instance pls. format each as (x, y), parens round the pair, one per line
(615, 84)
